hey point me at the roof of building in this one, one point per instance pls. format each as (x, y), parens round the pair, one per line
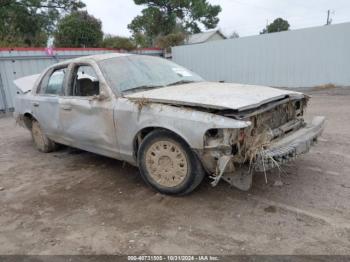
(202, 37)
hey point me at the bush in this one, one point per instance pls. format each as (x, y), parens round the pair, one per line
(118, 42)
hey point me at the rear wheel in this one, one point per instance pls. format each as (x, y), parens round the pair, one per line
(168, 164)
(41, 141)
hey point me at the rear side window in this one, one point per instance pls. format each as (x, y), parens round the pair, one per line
(53, 83)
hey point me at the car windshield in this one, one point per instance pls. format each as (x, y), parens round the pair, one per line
(137, 73)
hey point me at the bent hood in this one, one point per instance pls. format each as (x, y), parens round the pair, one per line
(215, 95)
(25, 84)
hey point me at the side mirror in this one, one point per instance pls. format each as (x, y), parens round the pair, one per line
(102, 96)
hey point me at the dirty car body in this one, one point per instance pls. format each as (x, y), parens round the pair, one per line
(112, 104)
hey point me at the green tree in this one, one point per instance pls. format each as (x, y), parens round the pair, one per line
(277, 25)
(118, 42)
(170, 40)
(163, 17)
(78, 29)
(31, 22)
(140, 40)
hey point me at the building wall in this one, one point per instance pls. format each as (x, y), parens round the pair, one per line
(297, 58)
(19, 62)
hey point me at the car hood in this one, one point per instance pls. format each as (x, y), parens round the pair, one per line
(215, 95)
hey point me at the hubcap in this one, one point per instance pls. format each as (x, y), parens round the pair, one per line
(166, 163)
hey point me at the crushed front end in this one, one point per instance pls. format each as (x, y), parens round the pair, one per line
(277, 135)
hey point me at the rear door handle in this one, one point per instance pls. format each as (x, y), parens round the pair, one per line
(35, 104)
(67, 108)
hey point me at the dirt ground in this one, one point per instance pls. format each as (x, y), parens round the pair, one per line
(74, 202)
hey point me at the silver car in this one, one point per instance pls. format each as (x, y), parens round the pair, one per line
(164, 119)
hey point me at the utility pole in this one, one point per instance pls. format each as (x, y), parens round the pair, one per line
(329, 19)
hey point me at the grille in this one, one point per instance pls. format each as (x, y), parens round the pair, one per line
(275, 117)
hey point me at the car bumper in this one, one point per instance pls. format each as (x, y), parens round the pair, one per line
(291, 146)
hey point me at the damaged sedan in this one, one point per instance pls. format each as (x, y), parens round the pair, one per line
(166, 120)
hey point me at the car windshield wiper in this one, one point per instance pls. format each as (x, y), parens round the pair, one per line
(142, 88)
(180, 82)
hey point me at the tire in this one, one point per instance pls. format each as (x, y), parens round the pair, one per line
(41, 141)
(168, 164)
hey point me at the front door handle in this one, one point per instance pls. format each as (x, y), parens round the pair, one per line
(67, 108)
(35, 104)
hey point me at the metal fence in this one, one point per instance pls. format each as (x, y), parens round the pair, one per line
(297, 58)
(19, 62)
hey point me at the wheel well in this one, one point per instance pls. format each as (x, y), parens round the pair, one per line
(28, 120)
(143, 133)
(140, 136)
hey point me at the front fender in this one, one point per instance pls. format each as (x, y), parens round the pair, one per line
(190, 124)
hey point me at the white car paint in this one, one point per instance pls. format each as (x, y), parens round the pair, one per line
(215, 95)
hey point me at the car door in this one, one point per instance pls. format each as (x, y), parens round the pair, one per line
(86, 112)
(46, 103)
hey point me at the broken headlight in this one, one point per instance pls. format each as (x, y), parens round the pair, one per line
(221, 140)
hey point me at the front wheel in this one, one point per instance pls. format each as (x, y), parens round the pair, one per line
(41, 141)
(168, 164)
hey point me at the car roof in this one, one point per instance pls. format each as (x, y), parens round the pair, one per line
(96, 58)
(101, 57)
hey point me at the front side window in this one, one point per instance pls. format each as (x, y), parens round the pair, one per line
(85, 81)
(136, 72)
(56, 82)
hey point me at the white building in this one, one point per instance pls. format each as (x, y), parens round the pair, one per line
(204, 37)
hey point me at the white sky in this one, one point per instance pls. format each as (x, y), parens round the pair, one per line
(247, 17)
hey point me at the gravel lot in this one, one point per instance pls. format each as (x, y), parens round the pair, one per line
(74, 202)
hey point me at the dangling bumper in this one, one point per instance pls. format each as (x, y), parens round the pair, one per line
(291, 146)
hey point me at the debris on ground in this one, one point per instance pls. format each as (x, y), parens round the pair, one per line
(278, 183)
(270, 209)
(309, 216)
